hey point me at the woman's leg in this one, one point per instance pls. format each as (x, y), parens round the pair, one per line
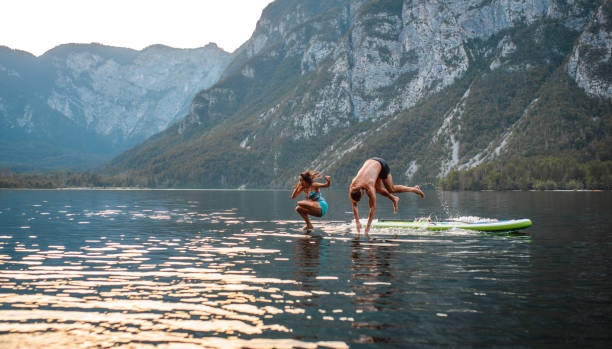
(308, 207)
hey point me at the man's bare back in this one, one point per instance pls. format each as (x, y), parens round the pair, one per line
(368, 174)
(371, 177)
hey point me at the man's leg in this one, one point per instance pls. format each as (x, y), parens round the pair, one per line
(384, 192)
(388, 182)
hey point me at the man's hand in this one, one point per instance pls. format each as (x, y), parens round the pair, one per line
(358, 225)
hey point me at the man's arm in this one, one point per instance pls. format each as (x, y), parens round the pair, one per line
(356, 214)
(372, 202)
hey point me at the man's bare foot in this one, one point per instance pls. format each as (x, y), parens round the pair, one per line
(419, 192)
(395, 200)
(308, 227)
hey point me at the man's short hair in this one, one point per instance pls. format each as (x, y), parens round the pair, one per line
(356, 194)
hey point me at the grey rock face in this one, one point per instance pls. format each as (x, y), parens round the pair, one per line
(80, 99)
(377, 60)
(590, 63)
(390, 59)
(133, 100)
(393, 60)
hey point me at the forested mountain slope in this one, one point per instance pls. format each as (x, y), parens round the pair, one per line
(430, 86)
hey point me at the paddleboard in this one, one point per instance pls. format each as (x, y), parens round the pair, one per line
(490, 226)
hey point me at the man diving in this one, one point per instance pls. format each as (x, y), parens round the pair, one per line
(371, 177)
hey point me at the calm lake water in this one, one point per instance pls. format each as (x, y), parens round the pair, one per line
(101, 268)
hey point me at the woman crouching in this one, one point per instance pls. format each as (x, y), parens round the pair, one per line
(314, 205)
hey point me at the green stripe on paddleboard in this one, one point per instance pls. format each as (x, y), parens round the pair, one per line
(506, 225)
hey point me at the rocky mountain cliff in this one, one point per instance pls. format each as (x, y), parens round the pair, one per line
(428, 85)
(78, 105)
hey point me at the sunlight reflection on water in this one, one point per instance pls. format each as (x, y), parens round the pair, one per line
(199, 290)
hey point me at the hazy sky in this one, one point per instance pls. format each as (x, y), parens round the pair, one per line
(39, 25)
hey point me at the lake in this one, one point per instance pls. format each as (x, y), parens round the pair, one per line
(231, 269)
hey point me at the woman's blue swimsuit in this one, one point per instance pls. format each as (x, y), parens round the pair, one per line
(316, 196)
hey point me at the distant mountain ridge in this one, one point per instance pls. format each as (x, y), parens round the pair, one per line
(429, 85)
(80, 104)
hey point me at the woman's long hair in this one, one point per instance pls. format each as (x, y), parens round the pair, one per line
(309, 176)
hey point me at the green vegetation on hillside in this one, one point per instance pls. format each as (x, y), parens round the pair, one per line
(565, 119)
(55, 180)
(534, 173)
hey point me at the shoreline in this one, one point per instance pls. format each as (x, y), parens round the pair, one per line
(146, 189)
(274, 189)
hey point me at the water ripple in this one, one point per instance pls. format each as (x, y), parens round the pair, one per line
(190, 269)
(106, 290)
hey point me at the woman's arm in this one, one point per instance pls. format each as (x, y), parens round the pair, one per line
(297, 190)
(323, 185)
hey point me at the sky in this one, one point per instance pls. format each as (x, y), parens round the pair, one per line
(37, 26)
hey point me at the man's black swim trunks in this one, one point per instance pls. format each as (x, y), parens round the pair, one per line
(384, 171)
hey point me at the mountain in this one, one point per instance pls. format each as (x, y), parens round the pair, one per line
(428, 85)
(81, 104)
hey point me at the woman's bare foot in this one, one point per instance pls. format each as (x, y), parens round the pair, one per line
(395, 200)
(419, 192)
